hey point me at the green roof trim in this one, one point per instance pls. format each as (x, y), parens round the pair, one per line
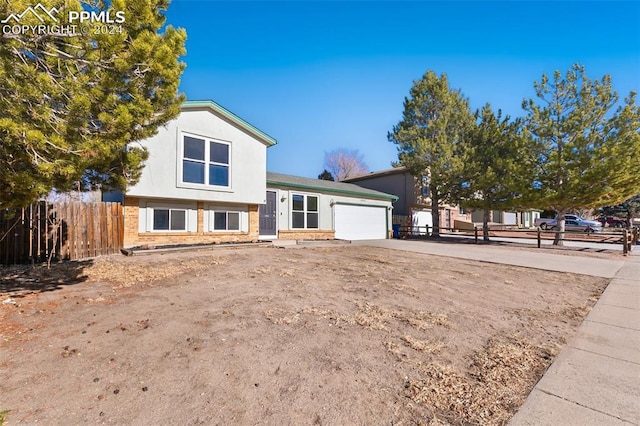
(269, 141)
(289, 181)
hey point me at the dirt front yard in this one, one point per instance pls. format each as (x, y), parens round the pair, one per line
(333, 335)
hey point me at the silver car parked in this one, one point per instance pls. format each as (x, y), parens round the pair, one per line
(581, 226)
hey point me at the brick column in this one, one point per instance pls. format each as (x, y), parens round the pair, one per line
(131, 218)
(200, 218)
(254, 221)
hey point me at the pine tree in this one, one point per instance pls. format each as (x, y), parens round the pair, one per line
(72, 106)
(496, 167)
(435, 120)
(587, 157)
(326, 175)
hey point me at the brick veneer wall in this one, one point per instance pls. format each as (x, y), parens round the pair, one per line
(254, 220)
(193, 237)
(301, 234)
(131, 212)
(133, 237)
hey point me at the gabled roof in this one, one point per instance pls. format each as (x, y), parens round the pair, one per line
(279, 179)
(242, 124)
(386, 172)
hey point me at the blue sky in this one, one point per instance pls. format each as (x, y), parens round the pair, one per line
(319, 76)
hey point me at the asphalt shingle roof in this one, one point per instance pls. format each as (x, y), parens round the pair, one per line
(325, 185)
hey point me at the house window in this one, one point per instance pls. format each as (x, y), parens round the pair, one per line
(424, 180)
(304, 211)
(169, 219)
(205, 161)
(226, 221)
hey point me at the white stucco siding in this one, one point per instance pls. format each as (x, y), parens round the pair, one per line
(161, 176)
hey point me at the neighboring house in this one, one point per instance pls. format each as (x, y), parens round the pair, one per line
(305, 208)
(205, 181)
(413, 205)
(521, 219)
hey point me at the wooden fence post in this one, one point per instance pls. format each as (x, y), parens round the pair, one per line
(539, 237)
(475, 234)
(625, 239)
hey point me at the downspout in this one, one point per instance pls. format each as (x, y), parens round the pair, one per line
(386, 212)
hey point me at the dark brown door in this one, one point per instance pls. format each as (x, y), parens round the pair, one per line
(268, 215)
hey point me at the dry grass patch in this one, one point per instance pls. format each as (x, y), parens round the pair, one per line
(491, 390)
(124, 272)
(280, 317)
(366, 315)
(427, 346)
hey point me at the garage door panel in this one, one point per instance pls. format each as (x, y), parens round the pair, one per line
(360, 222)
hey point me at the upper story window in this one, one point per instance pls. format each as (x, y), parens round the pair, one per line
(205, 161)
(304, 211)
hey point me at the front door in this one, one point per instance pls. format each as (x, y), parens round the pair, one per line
(268, 216)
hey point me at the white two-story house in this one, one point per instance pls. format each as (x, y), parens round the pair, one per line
(206, 181)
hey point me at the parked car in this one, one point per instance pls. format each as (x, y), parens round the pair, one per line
(613, 222)
(576, 223)
(544, 223)
(582, 225)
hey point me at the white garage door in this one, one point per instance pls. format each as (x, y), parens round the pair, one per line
(421, 220)
(509, 218)
(360, 222)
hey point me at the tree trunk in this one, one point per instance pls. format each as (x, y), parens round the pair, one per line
(629, 217)
(485, 224)
(559, 238)
(435, 214)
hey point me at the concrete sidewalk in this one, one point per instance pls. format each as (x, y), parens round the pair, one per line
(595, 380)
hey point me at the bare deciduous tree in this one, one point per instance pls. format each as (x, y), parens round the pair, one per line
(343, 163)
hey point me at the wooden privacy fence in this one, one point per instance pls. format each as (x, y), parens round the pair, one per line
(72, 230)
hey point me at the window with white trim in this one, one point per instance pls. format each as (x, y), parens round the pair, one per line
(169, 219)
(225, 221)
(205, 161)
(304, 211)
